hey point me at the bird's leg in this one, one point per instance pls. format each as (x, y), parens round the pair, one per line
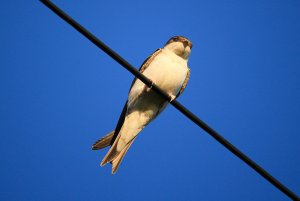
(171, 97)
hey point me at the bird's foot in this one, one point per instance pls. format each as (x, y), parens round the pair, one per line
(149, 88)
(171, 97)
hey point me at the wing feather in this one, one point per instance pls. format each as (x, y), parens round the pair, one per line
(184, 83)
(146, 63)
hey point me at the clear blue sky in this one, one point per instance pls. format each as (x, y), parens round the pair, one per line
(59, 94)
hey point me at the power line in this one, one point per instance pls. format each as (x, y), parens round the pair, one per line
(175, 103)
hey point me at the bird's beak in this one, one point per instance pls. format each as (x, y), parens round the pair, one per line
(187, 43)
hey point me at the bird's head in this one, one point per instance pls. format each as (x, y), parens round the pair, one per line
(180, 45)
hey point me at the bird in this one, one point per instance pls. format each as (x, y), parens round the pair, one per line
(167, 68)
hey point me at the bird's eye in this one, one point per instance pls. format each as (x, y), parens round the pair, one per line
(175, 39)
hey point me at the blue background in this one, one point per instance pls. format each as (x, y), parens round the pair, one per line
(59, 94)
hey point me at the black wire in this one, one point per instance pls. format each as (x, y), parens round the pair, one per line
(175, 103)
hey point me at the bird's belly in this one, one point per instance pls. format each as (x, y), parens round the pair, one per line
(168, 74)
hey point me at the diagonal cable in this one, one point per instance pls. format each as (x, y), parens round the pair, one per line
(175, 103)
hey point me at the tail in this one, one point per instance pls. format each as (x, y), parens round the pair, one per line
(104, 141)
(115, 157)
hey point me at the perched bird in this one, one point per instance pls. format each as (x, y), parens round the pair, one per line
(167, 68)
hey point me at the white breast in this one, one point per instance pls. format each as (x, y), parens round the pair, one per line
(168, 71)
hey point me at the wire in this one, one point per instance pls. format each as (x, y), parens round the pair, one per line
(175, 103)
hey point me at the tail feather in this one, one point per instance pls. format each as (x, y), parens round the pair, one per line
(112, 153)
(104, 141)
(117, 160)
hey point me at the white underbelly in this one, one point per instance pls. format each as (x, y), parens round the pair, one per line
(167, 72)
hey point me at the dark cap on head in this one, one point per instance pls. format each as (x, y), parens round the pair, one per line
(184, 40)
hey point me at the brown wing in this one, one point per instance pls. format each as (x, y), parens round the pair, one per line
(143, 67)
(120, 123)
(184, 83)
(146, 63)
